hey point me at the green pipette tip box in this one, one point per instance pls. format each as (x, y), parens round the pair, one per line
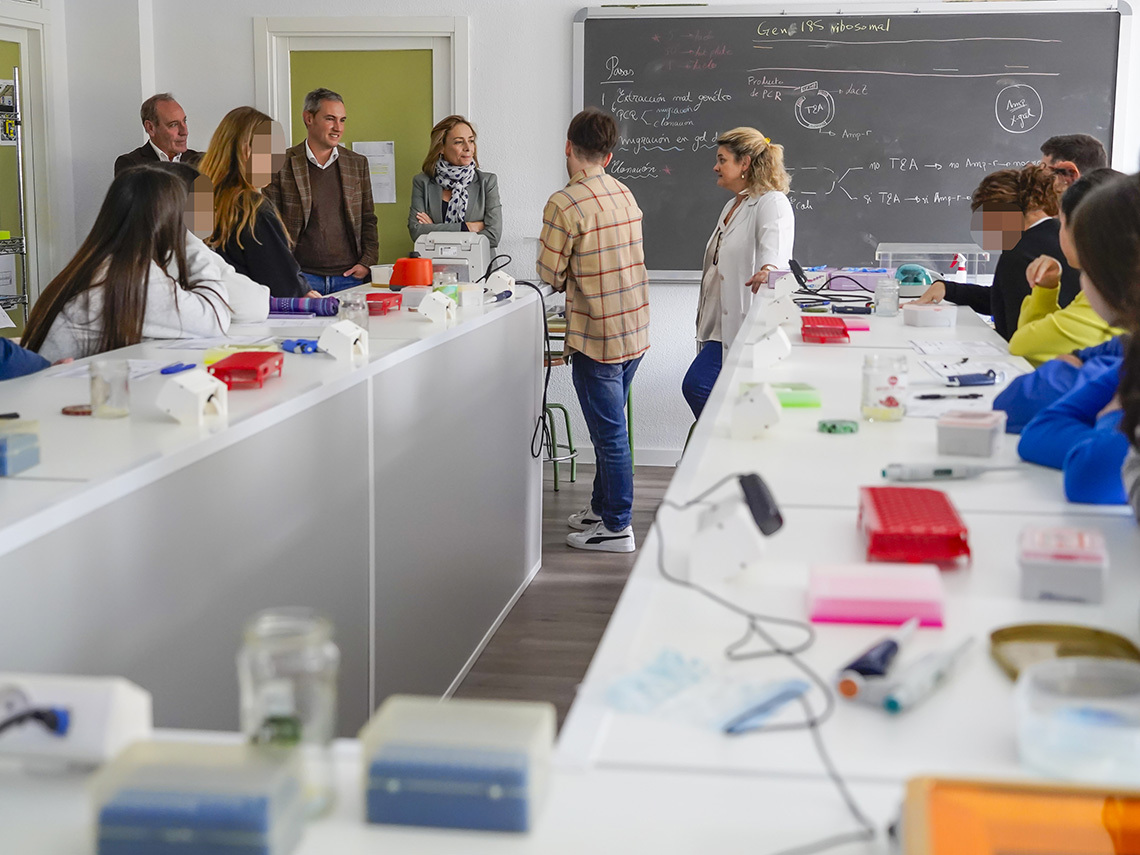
(796, 394)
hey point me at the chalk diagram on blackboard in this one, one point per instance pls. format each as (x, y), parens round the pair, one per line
(815, 108)
(1018, 108)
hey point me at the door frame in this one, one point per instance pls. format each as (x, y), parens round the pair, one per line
(447, 37)
(39, 125)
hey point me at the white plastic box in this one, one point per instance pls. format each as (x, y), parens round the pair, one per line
(457, 763)
(172, 798)
(930, 315)
(1059, 563)
(971, 433)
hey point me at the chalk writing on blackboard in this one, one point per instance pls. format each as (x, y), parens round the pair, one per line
(1018, 108)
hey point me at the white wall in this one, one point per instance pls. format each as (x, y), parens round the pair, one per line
(521, 103)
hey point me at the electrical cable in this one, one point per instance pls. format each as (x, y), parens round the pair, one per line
(812, 720)
(491, 268)
(541, 435)
(55, 720)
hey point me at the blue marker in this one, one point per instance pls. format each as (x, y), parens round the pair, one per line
(176, 367)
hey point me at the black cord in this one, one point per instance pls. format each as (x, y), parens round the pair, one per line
(862, 287)
(540, 436)
(812, 720)
(47, 717)
(491, 268)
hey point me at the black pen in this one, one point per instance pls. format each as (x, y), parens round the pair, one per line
(9, 415)
(943, 397)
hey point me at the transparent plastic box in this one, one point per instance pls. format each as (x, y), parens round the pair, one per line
(457, 763)
(171, 798)
(936, 256)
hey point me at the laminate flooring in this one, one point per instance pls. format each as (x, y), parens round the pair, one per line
(543, 647)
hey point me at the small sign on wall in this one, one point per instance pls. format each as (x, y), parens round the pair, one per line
(382, 167)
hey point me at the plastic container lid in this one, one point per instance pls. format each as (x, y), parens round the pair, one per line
(171, 797)
(1080, 718)
(974, 419)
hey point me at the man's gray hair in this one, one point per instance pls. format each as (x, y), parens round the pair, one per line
(149, 111)
(313, 99)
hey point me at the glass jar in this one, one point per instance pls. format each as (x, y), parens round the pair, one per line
(287, 671)
(884, 387)
(353, 307)
(887, 297)
(110, 389)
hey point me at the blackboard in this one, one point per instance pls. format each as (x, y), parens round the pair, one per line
(888, 121)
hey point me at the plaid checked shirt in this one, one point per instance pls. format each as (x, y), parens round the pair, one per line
(592, 249)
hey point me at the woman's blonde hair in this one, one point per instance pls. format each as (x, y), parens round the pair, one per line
(439, 139)
(227, 164)
(766, 171)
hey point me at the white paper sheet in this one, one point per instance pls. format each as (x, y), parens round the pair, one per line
(932, 409)
(276, 323)
(7, 276)
(139, 368)
(381, 167)
(957, 348)
(216, 341)
(945, 370)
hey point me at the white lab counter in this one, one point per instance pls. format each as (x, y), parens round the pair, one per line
(138, 546)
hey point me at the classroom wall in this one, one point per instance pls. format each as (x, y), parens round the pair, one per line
(520, 102)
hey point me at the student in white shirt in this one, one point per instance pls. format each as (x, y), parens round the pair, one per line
(131, 280)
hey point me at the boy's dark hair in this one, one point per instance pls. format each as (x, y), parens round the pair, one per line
(592, 134)
(1086, 152)
(1083, 186)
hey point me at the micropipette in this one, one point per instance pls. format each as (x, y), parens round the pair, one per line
(937, 471)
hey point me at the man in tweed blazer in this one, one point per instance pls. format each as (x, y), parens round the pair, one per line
(324, 194)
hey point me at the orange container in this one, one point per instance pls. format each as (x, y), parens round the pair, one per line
(411, 271)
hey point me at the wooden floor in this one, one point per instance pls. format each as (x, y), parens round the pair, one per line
(542, 649)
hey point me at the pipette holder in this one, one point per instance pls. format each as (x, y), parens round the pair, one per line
(439, 308)
(773, 346)
(727, 540)
(193, 396)
(756, 409)
(344, 340)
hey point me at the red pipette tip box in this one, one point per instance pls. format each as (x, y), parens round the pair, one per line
(824, 329)
(382, 304)
(913, 525)
(248, 369)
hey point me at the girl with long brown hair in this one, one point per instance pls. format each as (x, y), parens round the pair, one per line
(247, 149)
(129, 280)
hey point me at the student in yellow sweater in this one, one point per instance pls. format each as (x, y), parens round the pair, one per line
(1044, 330)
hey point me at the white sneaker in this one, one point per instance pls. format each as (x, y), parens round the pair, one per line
(583, 519)
(600, 539)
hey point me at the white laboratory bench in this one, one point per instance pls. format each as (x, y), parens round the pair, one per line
(139, 546)
(967, 728)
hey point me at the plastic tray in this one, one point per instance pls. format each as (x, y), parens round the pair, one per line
(824, 329)
(247, 370)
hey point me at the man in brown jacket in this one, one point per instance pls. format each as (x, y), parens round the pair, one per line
(324, 194)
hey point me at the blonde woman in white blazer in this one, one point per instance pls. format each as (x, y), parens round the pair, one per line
(754, 234)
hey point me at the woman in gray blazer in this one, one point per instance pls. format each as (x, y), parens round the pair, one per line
(452, 194)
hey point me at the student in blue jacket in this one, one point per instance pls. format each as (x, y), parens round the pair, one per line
(16, 361)
(1080, 435)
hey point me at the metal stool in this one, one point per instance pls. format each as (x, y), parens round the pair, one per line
(554, 448)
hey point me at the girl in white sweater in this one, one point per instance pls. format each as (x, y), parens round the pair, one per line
(134, 277)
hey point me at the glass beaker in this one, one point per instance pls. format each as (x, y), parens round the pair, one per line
(110, 389)
(887, 297)
(287, 671)
(884, 387)
(353, 307)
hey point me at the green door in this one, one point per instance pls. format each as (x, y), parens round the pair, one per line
(387, 96)
(9, 210)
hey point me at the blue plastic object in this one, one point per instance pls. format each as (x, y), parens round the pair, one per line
(177, 367)
(18, 451)
(299, 345)
(987, 378)
(449, 788)
(139, 822)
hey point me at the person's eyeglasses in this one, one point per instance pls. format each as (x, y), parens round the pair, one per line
(716, 250)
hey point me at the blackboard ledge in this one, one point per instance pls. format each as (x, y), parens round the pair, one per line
(675, 277)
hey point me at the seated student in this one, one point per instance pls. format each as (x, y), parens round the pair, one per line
(249, 301)
(1028, 394)
(16, 361)
(1106, 233)
(129, 280)
(1013, 211)
(1044, 329)
(245, 152)
(1080, 435)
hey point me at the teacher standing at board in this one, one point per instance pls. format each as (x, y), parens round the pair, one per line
(754, 234)
(452, 194)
